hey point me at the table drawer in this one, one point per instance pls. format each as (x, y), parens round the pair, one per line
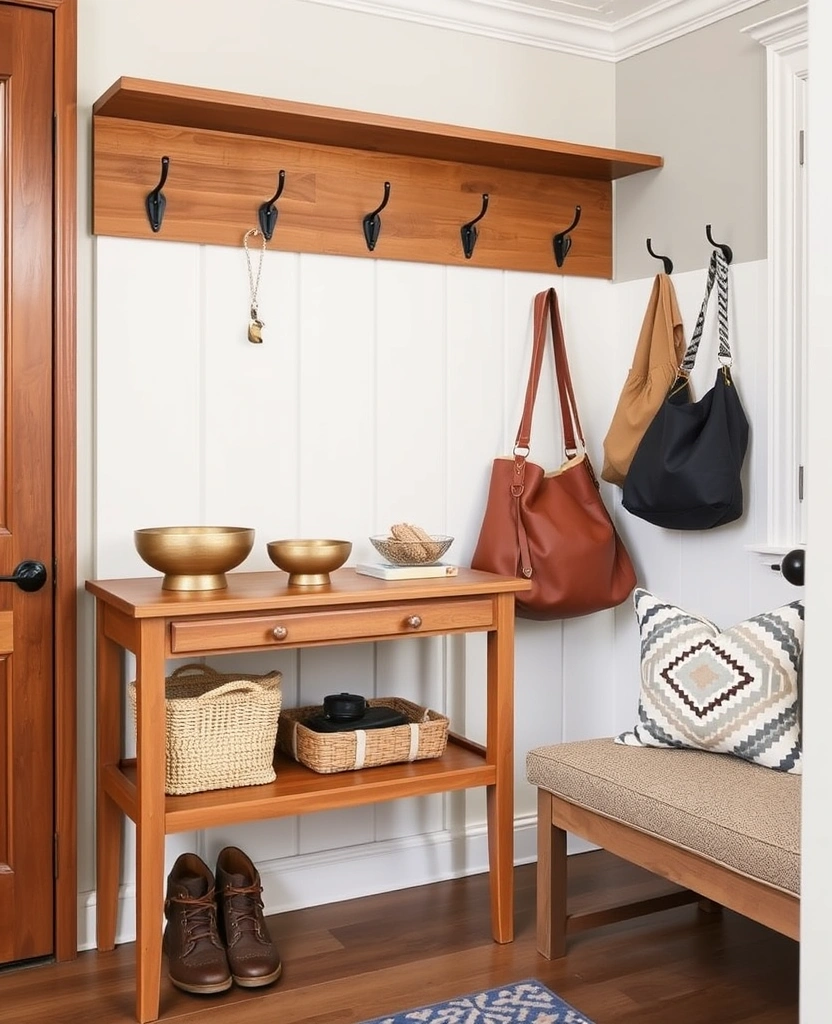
(294, 628)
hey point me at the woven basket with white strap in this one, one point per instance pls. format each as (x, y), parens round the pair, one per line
(424, 736)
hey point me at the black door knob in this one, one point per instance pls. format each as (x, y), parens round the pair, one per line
(793, 566)
(29, 576)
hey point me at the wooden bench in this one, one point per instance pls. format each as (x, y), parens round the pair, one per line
(726, 830)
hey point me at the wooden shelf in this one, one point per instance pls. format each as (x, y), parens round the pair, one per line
(299, 790)
(226, 148)
(136, 99)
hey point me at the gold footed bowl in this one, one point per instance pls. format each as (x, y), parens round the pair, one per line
(309, 562)
(194, 557)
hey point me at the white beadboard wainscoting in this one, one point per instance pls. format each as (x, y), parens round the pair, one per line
(381, 392)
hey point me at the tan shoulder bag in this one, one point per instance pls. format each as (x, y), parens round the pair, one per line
(659, 353)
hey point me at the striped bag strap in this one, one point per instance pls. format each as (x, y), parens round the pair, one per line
(717, 271)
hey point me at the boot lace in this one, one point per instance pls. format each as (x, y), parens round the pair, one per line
(200, 916)
(247, 909)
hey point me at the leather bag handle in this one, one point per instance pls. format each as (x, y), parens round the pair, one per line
(543, 302)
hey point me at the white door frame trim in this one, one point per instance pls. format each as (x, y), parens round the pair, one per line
(786, 39)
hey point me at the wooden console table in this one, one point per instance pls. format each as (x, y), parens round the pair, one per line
(258, 612)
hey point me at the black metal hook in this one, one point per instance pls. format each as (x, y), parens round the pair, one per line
(468, 231)
(726, 249)
(372, 221)
(155, 201)
(267, 212)
(562, 243)
(666, 260)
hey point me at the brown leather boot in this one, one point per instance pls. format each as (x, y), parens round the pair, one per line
(252, 956)
(196, 956)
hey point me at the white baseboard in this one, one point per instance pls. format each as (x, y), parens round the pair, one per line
(292, 883)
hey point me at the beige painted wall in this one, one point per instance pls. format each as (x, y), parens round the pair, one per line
(296, 50)
(700, 102)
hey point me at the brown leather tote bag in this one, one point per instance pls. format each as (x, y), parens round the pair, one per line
(552, 528)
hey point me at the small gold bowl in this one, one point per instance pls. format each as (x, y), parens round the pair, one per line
(194, 557)
(309, 562)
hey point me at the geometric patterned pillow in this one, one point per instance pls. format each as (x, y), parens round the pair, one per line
(731, 692)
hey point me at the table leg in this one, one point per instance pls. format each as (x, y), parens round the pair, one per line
(109, 819)
(150, 824)
(551, 881)
(500, 752)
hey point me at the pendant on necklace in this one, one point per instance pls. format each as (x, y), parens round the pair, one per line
(255, 328)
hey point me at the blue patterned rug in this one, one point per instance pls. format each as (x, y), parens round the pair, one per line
(524, 1002)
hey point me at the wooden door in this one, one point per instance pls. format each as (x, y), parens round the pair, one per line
(26, 510)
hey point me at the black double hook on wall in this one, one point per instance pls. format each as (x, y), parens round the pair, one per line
(666, 260)
(561, 242)
(726, 249)
(267, 212)
(468, 232)
(155, 201)
(372, 221)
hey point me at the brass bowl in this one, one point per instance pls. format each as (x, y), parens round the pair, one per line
(194, 557)
(309, 562)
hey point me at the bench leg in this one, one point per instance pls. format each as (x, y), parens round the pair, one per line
(551, 881)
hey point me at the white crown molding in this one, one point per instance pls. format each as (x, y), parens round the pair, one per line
(516, 22)
(784, 32)
(671, 19)
(496, 19)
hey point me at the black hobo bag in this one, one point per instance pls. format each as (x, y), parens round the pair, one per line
(685, 474)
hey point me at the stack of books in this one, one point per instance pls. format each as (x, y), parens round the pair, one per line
(386, 571)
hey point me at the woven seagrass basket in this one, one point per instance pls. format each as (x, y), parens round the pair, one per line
(425, 736)
(220, 728)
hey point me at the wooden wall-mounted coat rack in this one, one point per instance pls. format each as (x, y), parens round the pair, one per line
(222, 152)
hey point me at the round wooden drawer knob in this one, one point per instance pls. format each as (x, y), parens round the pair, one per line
(280, 632)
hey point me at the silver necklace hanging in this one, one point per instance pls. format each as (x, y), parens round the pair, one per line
(255, 324)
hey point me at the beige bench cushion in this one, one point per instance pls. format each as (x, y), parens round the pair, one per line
(728, 810)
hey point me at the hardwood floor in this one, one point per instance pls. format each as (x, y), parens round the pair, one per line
(348, 962)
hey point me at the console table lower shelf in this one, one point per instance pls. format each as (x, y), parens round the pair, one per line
(259, 611)
(299, 790)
